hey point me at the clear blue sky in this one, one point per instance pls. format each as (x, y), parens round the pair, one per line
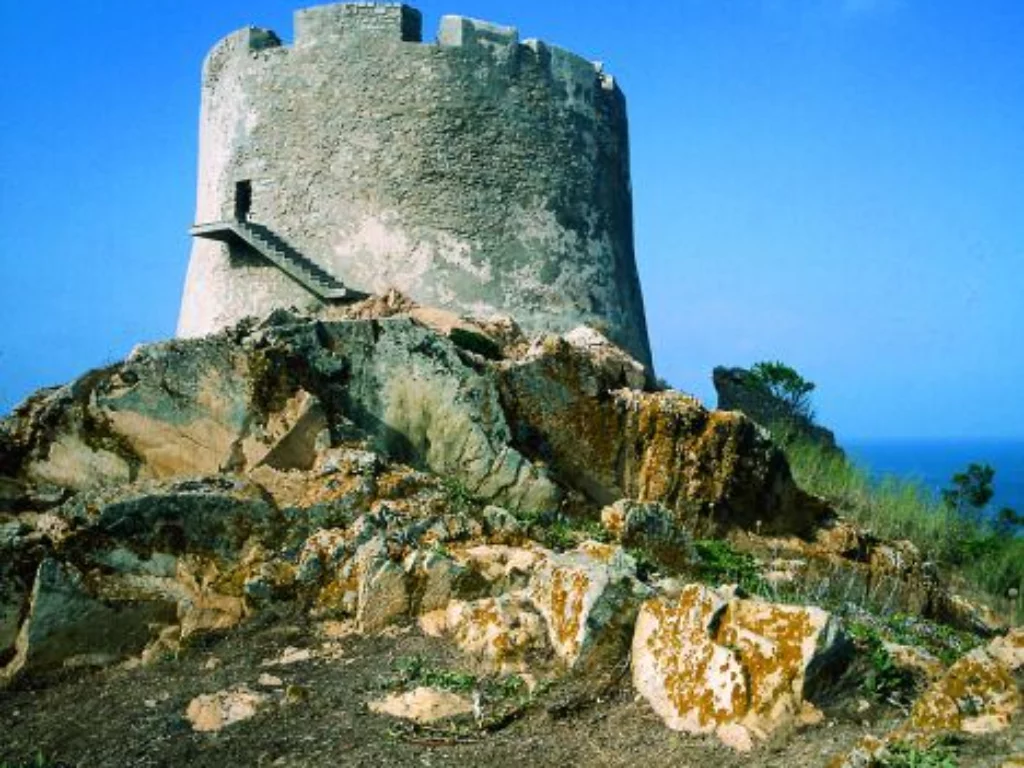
(835, 183)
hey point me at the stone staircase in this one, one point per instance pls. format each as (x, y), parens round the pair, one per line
(274, 249)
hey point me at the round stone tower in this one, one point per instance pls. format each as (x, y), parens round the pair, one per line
(478, 173)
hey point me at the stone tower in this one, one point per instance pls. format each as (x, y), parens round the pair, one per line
(478, 173)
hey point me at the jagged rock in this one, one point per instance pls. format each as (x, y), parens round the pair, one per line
(969, 615)
(436, 578)
(276, 395)
(1008, 650)
(502, 526)
(423, 705)
(589, 599)
(978, 694)
(612, 360)
(708, 661)
(215, 711)
(501, 568)
(915, 660)
(65, 620)
(738, 390)
(292, 436)
(383, 596)
(502, 632)
(612, 442)
(651, 527)
(217, 514)
(203, 609)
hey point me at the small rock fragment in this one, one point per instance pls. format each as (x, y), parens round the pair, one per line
(423, 705)
(214, 711)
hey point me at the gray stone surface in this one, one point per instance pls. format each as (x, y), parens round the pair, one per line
(477, 173)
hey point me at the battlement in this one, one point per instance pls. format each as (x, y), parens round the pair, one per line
(327, 23)
(459, 31)
(336, 26)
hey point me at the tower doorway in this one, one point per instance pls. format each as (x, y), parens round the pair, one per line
(243, 200)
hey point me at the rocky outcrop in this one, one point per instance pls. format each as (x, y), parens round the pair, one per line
(565, 414)
(391, 466)
(584, 415)
(739, 390)
(979, 694)
(709, 662)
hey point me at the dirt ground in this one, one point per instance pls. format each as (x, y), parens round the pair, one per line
(121, 717)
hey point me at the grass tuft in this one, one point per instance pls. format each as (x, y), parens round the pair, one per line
(989, 560)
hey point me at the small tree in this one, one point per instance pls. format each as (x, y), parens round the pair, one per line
(970, 491)
(791, 389)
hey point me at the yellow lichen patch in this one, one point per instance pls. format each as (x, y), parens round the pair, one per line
(568, 588)
(706, 663)
(977, 694)
(1008, 650)
(588, 597)
(694, 684)
(775, 643)
(499, 631)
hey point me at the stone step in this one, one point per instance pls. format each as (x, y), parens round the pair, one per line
(318, 280)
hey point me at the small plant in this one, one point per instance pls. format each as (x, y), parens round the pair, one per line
(460, 500)
(720, 563)
(414, 671)
(645, 565)
(903, 755)
(884, 681)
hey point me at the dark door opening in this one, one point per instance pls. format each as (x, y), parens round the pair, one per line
(243, 200)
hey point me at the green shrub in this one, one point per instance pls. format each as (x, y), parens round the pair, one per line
(720, 563)
(986, 556)
(787, 386)
(884, 681)
(903, 755)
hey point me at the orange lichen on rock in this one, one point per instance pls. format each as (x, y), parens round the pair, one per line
(977, 695)
(614, 441)
(588, 597)
(501, 632)
(708, 662)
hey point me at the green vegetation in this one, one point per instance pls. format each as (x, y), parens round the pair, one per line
(987, 556)
(561, 532)
(783, 383)
(720, 563)
(951, 529)
(903, 755)
(39, 761)
(884, 681)
(460, 500)
(414, 671)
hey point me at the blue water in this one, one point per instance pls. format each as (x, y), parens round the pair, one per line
(933, 462)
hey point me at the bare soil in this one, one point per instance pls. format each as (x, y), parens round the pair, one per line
(122, 717)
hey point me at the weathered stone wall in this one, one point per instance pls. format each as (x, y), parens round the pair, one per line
(477, 173)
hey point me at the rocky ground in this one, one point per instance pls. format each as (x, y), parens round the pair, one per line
(390, 536)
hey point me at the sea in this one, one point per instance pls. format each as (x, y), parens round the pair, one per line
(933, 462)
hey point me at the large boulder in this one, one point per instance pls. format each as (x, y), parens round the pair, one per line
(273, 397)
(978, 694)
(712, 469)
(589, 599)
(708, 662)
(276, 396)
(66, 623)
